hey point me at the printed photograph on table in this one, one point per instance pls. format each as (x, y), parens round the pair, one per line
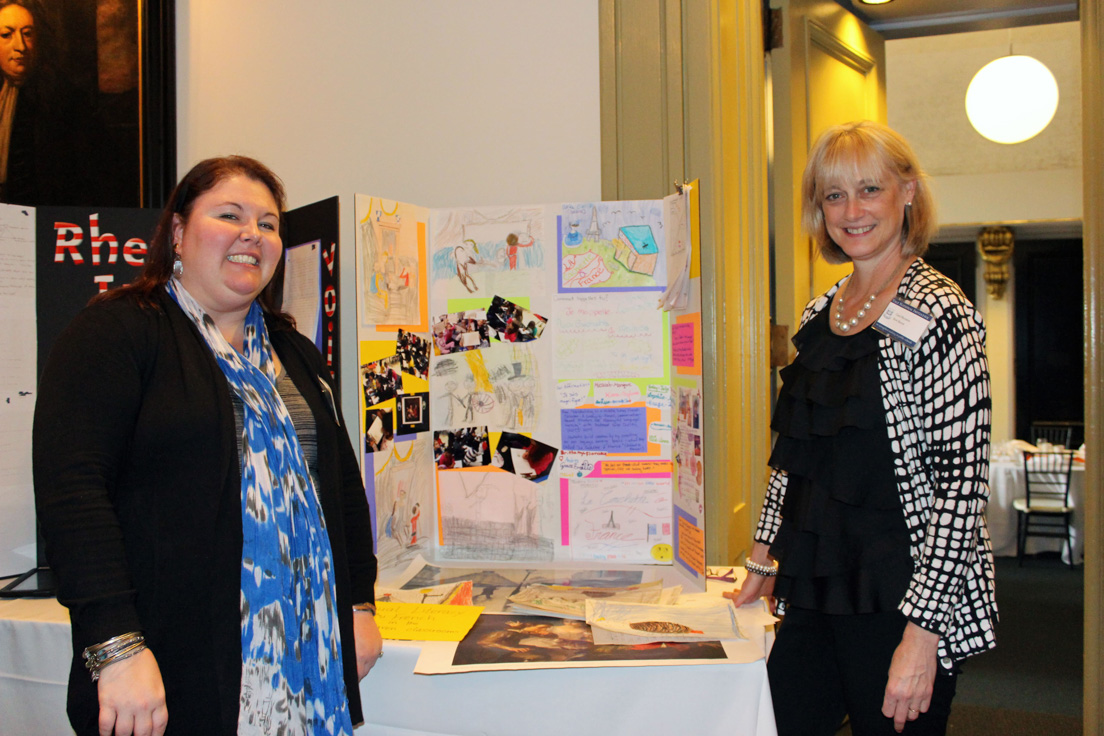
(498, 639)
(461, 331)
(462, 448)
(524, 456)
(612, 246)
(509, 322)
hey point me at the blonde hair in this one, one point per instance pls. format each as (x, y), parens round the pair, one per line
(865, 150)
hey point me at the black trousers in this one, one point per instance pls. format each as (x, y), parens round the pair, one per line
(823, 666)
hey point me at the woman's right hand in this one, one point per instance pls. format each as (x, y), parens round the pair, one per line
(132, 697)
(755, 586)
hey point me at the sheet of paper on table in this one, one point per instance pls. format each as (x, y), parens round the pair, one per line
(508, 642)
(614, 622)
(570, 601)
(449, 594)
(425, 621)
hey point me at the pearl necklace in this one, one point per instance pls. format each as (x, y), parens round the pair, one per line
(845, 325)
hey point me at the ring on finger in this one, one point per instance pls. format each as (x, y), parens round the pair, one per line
(913, 710)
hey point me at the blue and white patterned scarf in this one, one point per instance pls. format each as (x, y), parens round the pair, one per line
(292, 674)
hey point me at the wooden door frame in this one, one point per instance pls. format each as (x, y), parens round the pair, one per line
(1092, 112)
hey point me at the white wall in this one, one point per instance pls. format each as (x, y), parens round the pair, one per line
(434, 102)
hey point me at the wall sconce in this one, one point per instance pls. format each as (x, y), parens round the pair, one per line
(1012, 99)
(995, 245)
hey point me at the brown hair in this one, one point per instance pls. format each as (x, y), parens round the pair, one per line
(865, 150)
(202, 178)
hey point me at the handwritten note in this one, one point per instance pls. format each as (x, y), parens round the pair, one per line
(659, 397)
(634, 467)
(609, 336)
(682, 344)
(690, 545)
(614, 430)
(425, 621)
(573, 393)
(615, 393)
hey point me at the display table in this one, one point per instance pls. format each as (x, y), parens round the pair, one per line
(707, 699)
(1006, 484)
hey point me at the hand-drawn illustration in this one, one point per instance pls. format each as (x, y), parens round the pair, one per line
(623, 248)
(485, 251)
(509, 322)
(453, 333)
(499, 386)
(524, 456)
(379, 432)
(391, 250)
(469, 447)
(619, 519)
(413, 414)
(382, 380)
(492, 516)
(403, 487)
(413, 352)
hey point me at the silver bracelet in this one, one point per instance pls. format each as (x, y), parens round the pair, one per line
(767, 571)
(116, 649)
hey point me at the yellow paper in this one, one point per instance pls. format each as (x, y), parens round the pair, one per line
(425, 621)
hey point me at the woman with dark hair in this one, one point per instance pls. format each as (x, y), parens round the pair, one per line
(875, 508)
(200, 499)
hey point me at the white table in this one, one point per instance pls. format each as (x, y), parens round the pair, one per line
(732, 699)
(1006, 484)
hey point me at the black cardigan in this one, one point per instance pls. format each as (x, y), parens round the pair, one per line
(138, 491)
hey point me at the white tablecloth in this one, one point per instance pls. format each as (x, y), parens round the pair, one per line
(733, 700)
(1006, 484)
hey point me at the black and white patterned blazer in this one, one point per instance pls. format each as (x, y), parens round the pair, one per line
(938, 412)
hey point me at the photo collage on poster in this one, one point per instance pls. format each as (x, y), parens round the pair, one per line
(520, 369)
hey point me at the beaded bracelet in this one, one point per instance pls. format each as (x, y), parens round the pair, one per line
(116, 649)
(767, 571)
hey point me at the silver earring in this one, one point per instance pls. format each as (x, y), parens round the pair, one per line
(178, 266)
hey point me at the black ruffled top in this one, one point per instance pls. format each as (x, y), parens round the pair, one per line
(842, 546)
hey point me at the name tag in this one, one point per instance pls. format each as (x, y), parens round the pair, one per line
(903, 322)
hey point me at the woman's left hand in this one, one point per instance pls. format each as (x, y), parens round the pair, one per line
(911, 676)
(369, 643)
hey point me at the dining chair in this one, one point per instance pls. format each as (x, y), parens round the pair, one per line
(1045, 510)
(1059, 434)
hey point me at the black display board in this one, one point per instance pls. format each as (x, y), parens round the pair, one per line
(318, 225)
(81, 251)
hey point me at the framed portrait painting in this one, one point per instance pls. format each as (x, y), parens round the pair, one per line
(87, 102)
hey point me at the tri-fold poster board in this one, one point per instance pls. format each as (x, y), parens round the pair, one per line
(532, 382)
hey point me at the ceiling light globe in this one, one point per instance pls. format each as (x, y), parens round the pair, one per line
(1012, 99)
